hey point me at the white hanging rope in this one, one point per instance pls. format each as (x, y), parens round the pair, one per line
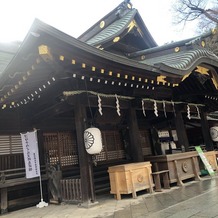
(188, 112)
(155, 109)
(117, 105)
(71, 93)
(197, 111)
(174, 111)
(99, 105)
(117, 97)
(143, 108)
(171, 102)
(164, 108)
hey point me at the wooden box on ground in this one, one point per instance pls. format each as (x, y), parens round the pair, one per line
(130, 178)
(211, 157)
(181, 166)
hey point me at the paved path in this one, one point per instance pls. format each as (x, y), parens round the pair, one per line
(195, 199)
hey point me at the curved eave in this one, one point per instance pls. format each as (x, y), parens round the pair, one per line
(95, 29)
(113, 30)
(185, 42)
(183, 72)
(120, 28)
(184, 62)
(62, 40)
(149, 40)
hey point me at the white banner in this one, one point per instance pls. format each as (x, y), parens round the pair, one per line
(31, 154)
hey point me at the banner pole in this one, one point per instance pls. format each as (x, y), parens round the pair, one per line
(42, 203)
(31, 159)
(40, 182)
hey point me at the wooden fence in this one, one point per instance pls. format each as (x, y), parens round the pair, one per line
(71, 190)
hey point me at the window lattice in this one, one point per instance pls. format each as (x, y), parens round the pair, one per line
(10, 144)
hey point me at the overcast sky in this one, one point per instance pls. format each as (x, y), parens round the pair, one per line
(75, 16)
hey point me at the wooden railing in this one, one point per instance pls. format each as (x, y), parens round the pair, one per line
(11, 161)
(71, 190)
(13, 180)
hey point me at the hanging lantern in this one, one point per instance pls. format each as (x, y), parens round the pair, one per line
(93, 140)
(214, 133)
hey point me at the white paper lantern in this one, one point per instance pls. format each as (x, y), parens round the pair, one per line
(93, 140)
(214, 133)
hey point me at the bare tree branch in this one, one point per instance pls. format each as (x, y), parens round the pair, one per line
(190, 10)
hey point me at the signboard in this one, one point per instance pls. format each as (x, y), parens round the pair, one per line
(31, 154)
(204, 160)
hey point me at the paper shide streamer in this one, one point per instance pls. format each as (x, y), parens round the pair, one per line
(155, 109)
(99, 105)
(188, 112)
(173, 104)
(164, 108)
(143, 108)
(118, 105)
(197, 108)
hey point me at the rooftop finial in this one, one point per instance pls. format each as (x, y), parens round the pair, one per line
(123, 8)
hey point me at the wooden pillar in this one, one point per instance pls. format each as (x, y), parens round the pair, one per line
(181, 130)
(41, 147)
(206, 132)
(134, 135)
(4, 200)
(85, 161)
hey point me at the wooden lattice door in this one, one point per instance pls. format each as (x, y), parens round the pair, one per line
(60, 148)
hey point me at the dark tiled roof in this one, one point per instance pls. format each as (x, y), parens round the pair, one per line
(7, 51)
(183, 60)
(5, 58)
(178, 57)
(113, 30)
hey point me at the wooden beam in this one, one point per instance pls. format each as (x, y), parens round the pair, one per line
(4, 200)
(53, 110)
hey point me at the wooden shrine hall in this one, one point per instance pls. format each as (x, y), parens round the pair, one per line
(150, 103)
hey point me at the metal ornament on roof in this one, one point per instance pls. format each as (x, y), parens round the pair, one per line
(118, 105)
(143, 108)
(99, 105)
(93, 140)
(155, 109)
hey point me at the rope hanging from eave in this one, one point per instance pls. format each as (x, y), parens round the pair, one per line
(71, 93)
(155, 102)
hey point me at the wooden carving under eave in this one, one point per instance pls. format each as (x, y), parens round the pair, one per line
(202, 70)
(212, 42)
(132, 25)
(161, 79)
(45, 53)
(209, 72)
